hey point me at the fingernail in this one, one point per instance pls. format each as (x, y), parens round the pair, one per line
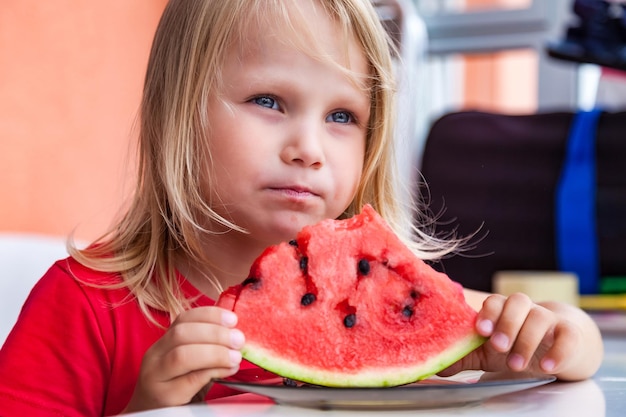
(500, 340)
(235, 357)
(548, 365)
(229, 318)
(485, 327)
(237, 338)
(516, 362)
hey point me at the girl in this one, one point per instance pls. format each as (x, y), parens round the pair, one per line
(258, 117)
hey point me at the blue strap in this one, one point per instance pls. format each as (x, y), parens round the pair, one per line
(576, 237)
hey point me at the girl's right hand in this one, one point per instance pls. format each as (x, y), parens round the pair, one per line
(201, 344)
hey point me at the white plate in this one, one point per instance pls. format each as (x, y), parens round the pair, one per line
(459, 390)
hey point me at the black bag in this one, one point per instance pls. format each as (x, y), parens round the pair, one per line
(499, 175)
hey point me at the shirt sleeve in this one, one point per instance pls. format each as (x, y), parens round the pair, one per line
(56, 359)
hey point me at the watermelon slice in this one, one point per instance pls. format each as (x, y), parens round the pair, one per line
(348, 304)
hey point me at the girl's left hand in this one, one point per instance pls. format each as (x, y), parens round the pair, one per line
(525, 336)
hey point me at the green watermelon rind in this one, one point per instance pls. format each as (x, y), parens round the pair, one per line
(374, 377)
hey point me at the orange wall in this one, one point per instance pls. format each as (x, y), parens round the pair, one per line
(71, 73)
(505, 81)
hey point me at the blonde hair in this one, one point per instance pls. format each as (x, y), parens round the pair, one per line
(168, 210)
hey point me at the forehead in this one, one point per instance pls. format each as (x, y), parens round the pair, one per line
(305, 26)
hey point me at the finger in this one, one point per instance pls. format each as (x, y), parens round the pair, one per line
(172, 378)
(470, 361)
(187, 347)
(565, 338)
(203, 333)
(489, 313)
(536, 329)
(453, 369)
(186, 359)
(507, 326)
(196, 382)
(212, 314)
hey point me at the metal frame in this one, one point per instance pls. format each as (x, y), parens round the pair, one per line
(497, 30)
(489, 30)
(408, 30)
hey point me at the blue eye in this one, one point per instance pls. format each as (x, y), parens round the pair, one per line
(340, 117)
(266, 101)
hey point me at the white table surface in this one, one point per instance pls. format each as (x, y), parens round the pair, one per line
(604, 395)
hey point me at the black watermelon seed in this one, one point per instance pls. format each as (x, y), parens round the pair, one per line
(407, 311)
(350, 320)
(304, 263)
(414, 294)
(307, 299)
(364, 267)
(293, 243)
(252, 282)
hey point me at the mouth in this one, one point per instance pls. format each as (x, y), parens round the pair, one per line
(295, 191)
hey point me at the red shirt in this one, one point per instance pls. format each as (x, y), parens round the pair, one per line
(76, 350)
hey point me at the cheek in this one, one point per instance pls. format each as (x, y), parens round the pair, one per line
(352, 169)
(358, 174)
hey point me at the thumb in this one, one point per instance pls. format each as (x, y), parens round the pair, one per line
(453, 369)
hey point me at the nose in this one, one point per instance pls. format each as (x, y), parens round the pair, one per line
(304, 145)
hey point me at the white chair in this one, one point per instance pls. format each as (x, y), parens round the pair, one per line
(24, 258)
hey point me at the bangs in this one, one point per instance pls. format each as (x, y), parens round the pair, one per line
(290, 24)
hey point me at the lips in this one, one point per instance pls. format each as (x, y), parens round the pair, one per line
(295, 190)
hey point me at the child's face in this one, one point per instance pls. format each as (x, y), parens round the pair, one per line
(288, 131)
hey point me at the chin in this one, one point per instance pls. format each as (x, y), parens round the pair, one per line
(282, 226)
(285, 231)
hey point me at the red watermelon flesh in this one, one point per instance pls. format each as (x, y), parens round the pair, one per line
(348, 304)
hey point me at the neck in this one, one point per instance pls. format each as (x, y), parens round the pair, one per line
(231, 256)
